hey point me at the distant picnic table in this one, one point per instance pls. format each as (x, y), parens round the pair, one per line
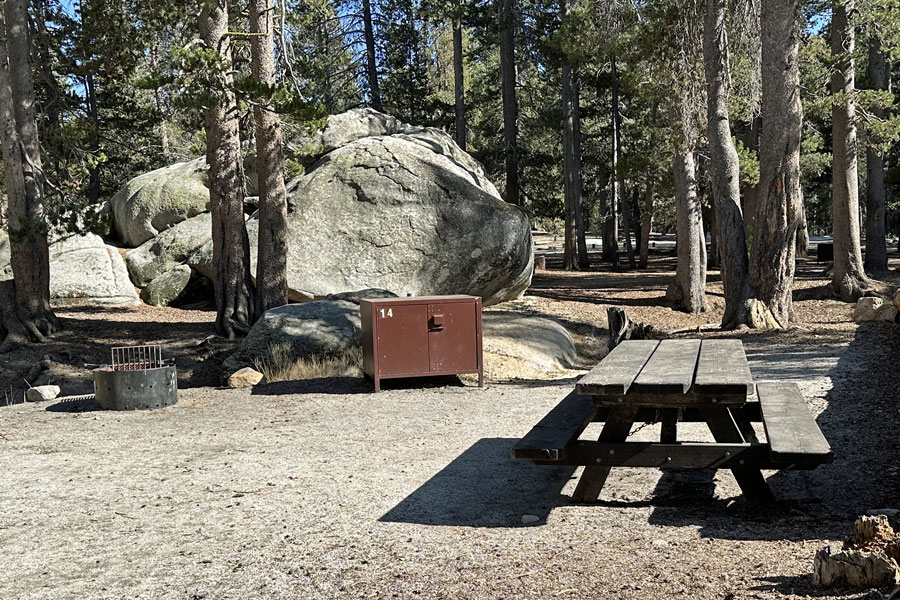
(672, 381)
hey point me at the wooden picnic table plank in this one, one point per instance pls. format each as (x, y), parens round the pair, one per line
(618, 370)
(792, 432)
(549, 438)
(722, 368)
(670, 370)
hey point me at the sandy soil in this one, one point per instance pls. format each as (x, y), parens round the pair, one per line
(321, 489)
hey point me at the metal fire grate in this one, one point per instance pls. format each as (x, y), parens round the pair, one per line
(137, 358)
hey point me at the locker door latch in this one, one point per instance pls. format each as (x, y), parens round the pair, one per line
(437, 322)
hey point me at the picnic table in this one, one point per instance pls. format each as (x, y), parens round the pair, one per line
(672, 381)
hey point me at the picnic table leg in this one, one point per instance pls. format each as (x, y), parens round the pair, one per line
(669, 426)
(616, 429)
(725, 430)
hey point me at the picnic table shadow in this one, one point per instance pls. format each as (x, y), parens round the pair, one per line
(485, 487)
(858, 421)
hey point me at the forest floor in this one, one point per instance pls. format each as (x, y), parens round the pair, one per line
(322, 489)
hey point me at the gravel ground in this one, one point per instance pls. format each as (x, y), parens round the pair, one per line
(324, 490)
(321, 489)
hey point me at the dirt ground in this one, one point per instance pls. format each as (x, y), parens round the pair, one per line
(322, 489)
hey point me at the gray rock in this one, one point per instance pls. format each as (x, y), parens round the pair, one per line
(321, 328)
(356, 297)
(347, 127)
(5, 269)
(530, 519)
(41, 393)
(168, 287)
(383, 213)
(873, 309)
(530, 342)
(83, 267)
(168, 249)
(151, 202)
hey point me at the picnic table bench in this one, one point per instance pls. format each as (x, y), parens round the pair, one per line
(672, 381)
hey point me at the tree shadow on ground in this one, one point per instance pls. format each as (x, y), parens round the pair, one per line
(484, 487)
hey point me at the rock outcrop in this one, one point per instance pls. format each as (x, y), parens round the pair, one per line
(170, 248)
(383, 205)
(154, 201)
(84, 268)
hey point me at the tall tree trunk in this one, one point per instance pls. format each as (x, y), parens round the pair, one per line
(29, 254)
(371, 65)
(510, 104)
(627, 214)
(876, 195)
(646, 226)
(459, 92)
(688, 290)
(94, 176)
(610, 211)
(849, 281)
(575, 254)
(231, 247)
(771, 277)
(271, 264)
(802, 228)
(725, 166)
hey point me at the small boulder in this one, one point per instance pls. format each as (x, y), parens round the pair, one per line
(42, 393)
(168, 249)
(873, 308)
(245, 377)
(319, 328)
(168, 287)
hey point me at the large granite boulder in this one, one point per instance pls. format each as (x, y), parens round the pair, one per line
(170, 248)
(874, 309)
(84, 268)
(151, 202)
(391, 212)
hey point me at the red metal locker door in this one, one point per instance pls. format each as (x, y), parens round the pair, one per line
(402, 339)
(452, 337)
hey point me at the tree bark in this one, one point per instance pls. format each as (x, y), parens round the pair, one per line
(771, 276)
(646, 226)
(231, 246)
(725, 166)
(688, 291)
(575, 254)
(802, 228)
(610, 227)
(876, 195)
(627, 228)
(849, 281)
(371, 65)
(458, 81)
(29, 254)
(271, 264)
(510, 104)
